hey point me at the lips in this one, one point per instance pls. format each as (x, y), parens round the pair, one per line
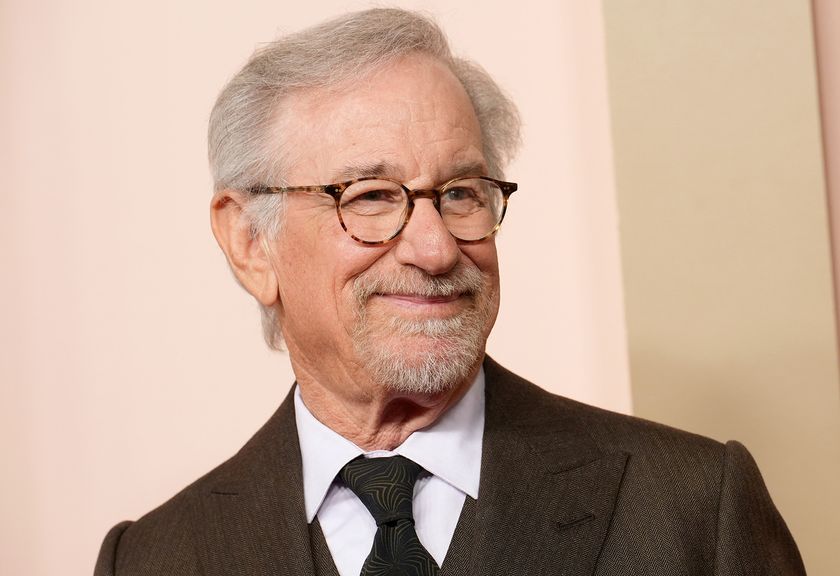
(421, 299)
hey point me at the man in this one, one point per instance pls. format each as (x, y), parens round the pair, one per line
(358, 171)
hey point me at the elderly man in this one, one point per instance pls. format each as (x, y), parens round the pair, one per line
(358, 169)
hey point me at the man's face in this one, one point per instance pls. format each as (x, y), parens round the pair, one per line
(410, 316)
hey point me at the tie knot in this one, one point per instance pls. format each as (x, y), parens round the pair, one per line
(384, 485)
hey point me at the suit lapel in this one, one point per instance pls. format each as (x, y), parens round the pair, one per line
(255, 510)
(547, 492)
(322, 558)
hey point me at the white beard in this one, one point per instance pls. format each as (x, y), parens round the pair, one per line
(423, 356)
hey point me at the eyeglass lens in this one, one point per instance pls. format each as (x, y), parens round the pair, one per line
(375, 210)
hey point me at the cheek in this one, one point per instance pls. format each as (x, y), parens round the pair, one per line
(485, 258)
(304, 279)
(355, 260)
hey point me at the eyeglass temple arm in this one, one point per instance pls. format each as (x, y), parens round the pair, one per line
(331, 189)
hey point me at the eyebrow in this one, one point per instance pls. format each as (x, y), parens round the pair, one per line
(387, 169)
(366, 170)
(468, 169)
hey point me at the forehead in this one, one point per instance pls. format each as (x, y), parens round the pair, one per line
(413, 116)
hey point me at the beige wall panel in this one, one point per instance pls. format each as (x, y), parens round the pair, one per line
(725, 246)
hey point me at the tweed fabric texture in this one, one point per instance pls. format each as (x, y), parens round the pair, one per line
(321, 558)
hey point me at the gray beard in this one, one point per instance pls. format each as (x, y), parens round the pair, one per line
(453, 348)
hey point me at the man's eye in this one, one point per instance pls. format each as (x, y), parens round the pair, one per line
(466, 196)
(373, 202)
(461, 193)
(375, 196)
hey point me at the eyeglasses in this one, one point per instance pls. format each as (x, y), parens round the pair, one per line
(375, 210)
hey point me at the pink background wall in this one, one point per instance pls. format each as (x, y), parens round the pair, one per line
(131, 361)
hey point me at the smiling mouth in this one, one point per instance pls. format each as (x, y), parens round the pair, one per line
(419, 299)
(413, 293)
(440, 306)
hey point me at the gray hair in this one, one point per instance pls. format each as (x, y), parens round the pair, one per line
(242, 151)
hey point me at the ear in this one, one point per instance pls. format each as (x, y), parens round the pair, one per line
(246, 254)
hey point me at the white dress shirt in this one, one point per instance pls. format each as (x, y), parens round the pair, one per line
(449, 450)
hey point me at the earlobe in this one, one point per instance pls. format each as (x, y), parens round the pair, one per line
(248, 255)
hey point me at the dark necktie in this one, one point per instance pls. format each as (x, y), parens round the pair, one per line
(386, 487)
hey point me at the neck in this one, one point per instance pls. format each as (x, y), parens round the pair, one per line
(380, 419)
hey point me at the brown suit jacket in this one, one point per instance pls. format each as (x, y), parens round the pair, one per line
(565, 488)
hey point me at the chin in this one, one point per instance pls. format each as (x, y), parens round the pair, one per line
(428, 357)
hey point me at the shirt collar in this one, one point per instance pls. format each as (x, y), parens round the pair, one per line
(449, 449)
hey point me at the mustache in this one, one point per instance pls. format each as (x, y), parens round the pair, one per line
(413, 281)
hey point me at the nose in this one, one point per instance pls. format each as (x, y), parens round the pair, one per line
(425, 241)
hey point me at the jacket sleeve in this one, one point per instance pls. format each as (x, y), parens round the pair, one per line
(106, 563)
(752, 537)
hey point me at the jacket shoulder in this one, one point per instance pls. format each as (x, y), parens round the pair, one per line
(167, 539)
(700, 497)
(535, 408)
(673, 469)
(160, 542)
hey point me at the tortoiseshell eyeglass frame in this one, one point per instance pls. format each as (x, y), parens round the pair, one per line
(434, 194)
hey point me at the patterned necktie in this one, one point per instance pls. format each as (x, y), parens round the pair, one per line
(386, 487)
